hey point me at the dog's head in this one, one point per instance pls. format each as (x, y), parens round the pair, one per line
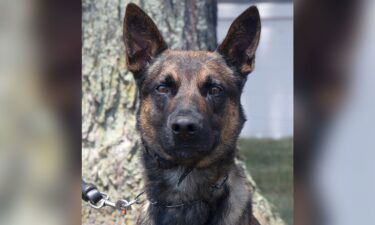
(190, 106)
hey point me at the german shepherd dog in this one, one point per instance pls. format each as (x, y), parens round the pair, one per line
(189, 118)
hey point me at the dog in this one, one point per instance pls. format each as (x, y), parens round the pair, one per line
(189, 118)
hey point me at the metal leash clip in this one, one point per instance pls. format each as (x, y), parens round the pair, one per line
(105, 201)
(122, 205)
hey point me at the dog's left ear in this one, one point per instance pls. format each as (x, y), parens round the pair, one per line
(142, 39)
(241, 42)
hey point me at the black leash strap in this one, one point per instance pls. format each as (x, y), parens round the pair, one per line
(90, 193)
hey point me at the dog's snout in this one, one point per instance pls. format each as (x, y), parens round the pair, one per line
(185, 126)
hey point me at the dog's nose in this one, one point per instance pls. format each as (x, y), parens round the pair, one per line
(185, 126)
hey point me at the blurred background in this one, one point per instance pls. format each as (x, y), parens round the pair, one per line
(40, 112)
(333, 104)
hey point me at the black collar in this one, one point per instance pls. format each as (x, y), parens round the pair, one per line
(163, 204)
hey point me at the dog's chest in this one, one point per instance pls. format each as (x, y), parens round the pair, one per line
(201, 203)
(197, 213)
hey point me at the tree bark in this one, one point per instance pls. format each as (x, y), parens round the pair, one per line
(110, 142)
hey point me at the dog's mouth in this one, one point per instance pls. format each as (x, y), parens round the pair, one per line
(192, 149)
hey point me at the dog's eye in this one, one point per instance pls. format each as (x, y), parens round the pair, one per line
(163, 89)
(215, 90)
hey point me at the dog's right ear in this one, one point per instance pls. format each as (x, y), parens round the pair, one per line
(241, 42)
(142, 39)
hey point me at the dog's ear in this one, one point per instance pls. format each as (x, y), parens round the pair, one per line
(142, 39)
(241, 42)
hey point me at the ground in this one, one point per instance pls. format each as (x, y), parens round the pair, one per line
(270, 162)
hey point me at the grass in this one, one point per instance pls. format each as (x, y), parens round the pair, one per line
(270, 162)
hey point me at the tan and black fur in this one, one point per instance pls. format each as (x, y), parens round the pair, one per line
(190, 116)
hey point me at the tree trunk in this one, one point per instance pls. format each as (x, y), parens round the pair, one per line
(111, 144)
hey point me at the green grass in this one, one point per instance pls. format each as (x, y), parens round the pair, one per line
(270, 162)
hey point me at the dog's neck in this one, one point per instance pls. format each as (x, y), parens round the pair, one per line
(185, 191)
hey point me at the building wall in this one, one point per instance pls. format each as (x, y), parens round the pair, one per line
(268, 94)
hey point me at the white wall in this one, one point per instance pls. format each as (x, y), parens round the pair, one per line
(268, 94)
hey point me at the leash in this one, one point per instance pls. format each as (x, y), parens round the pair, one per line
(98, 200)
